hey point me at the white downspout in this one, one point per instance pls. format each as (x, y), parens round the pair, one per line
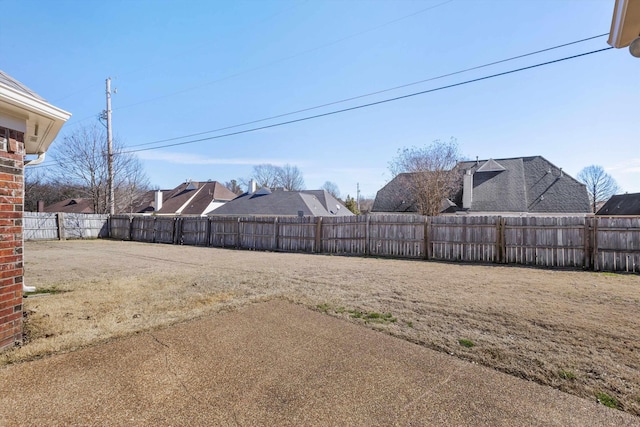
(37, 161)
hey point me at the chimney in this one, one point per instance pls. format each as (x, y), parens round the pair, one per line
(40, 205)
(253, 186)
(467, 190)
(158, 200)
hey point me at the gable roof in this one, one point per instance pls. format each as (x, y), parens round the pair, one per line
(284, 203)
(76, 205)
(621, 204)
(519, 184)
(194, 198)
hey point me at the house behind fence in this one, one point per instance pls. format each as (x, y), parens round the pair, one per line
(583, 242)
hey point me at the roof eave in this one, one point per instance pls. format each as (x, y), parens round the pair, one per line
(42, 121)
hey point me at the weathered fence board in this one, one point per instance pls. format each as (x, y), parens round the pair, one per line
(545, 241)
(618, 244)
(397, 236)
(51, 226)
(598, 243)
(464, 238)
(143, 228)
(194, 231)
(298, 234)
(164, 229)
(344, 235)
(224, 232)
(120, 227)
(40, 226)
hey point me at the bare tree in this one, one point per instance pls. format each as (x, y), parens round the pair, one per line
(266, 175)
(600, 185)
(271, 176)
(432, 173)
(81, 161)
(234, 186)
(331, 188)
(290, 178)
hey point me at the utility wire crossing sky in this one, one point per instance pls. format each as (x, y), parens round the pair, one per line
(185, 70)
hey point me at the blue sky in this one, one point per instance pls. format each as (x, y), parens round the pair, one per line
(185, 67)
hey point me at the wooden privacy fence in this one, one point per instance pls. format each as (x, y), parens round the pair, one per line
(51, 226)
(596, 243)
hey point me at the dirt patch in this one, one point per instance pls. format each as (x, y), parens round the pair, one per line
(576, 331)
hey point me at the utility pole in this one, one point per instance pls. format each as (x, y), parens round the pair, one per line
(112, 204)
(358, 195)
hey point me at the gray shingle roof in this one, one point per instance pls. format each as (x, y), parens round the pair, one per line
(527, 184)
(9, 81)
(284, 203)
(621, 204)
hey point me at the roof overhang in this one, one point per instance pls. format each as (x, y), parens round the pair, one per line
(39, 120)
(625, 24)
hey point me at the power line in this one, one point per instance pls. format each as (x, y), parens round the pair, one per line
(330, 113)
(372, 93)
(331, 43)
(351, 108)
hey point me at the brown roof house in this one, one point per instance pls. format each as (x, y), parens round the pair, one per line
(280, 202)
(520, 185)
(77, 205)
(28, 125)
(189, 198)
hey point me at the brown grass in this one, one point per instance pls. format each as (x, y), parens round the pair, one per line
(576, 331)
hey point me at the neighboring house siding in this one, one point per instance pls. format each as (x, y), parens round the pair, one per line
(11, 246)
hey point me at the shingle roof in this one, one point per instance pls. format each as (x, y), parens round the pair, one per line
(395, 196)
(284, 203)
(9, 81)
(621, 204)
(71, 206)
(521, 184)
(198, 194)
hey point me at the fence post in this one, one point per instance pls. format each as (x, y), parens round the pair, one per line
(60, 220)
(239, 235)
(426, 238)
(318, 235)
(586, 263)
(429, 230)
(501, 248)
(594, 243)
(208, 231)
(275, 234)
(367, 236)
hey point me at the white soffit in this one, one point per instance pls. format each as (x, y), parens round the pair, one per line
(40, 120)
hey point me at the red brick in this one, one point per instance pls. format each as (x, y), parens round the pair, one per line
(11, 273)
(10, 259)
(10, 244)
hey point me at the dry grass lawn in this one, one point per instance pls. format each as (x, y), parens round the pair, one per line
(576, 331)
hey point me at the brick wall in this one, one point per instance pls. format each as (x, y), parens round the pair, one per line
(11, 205)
